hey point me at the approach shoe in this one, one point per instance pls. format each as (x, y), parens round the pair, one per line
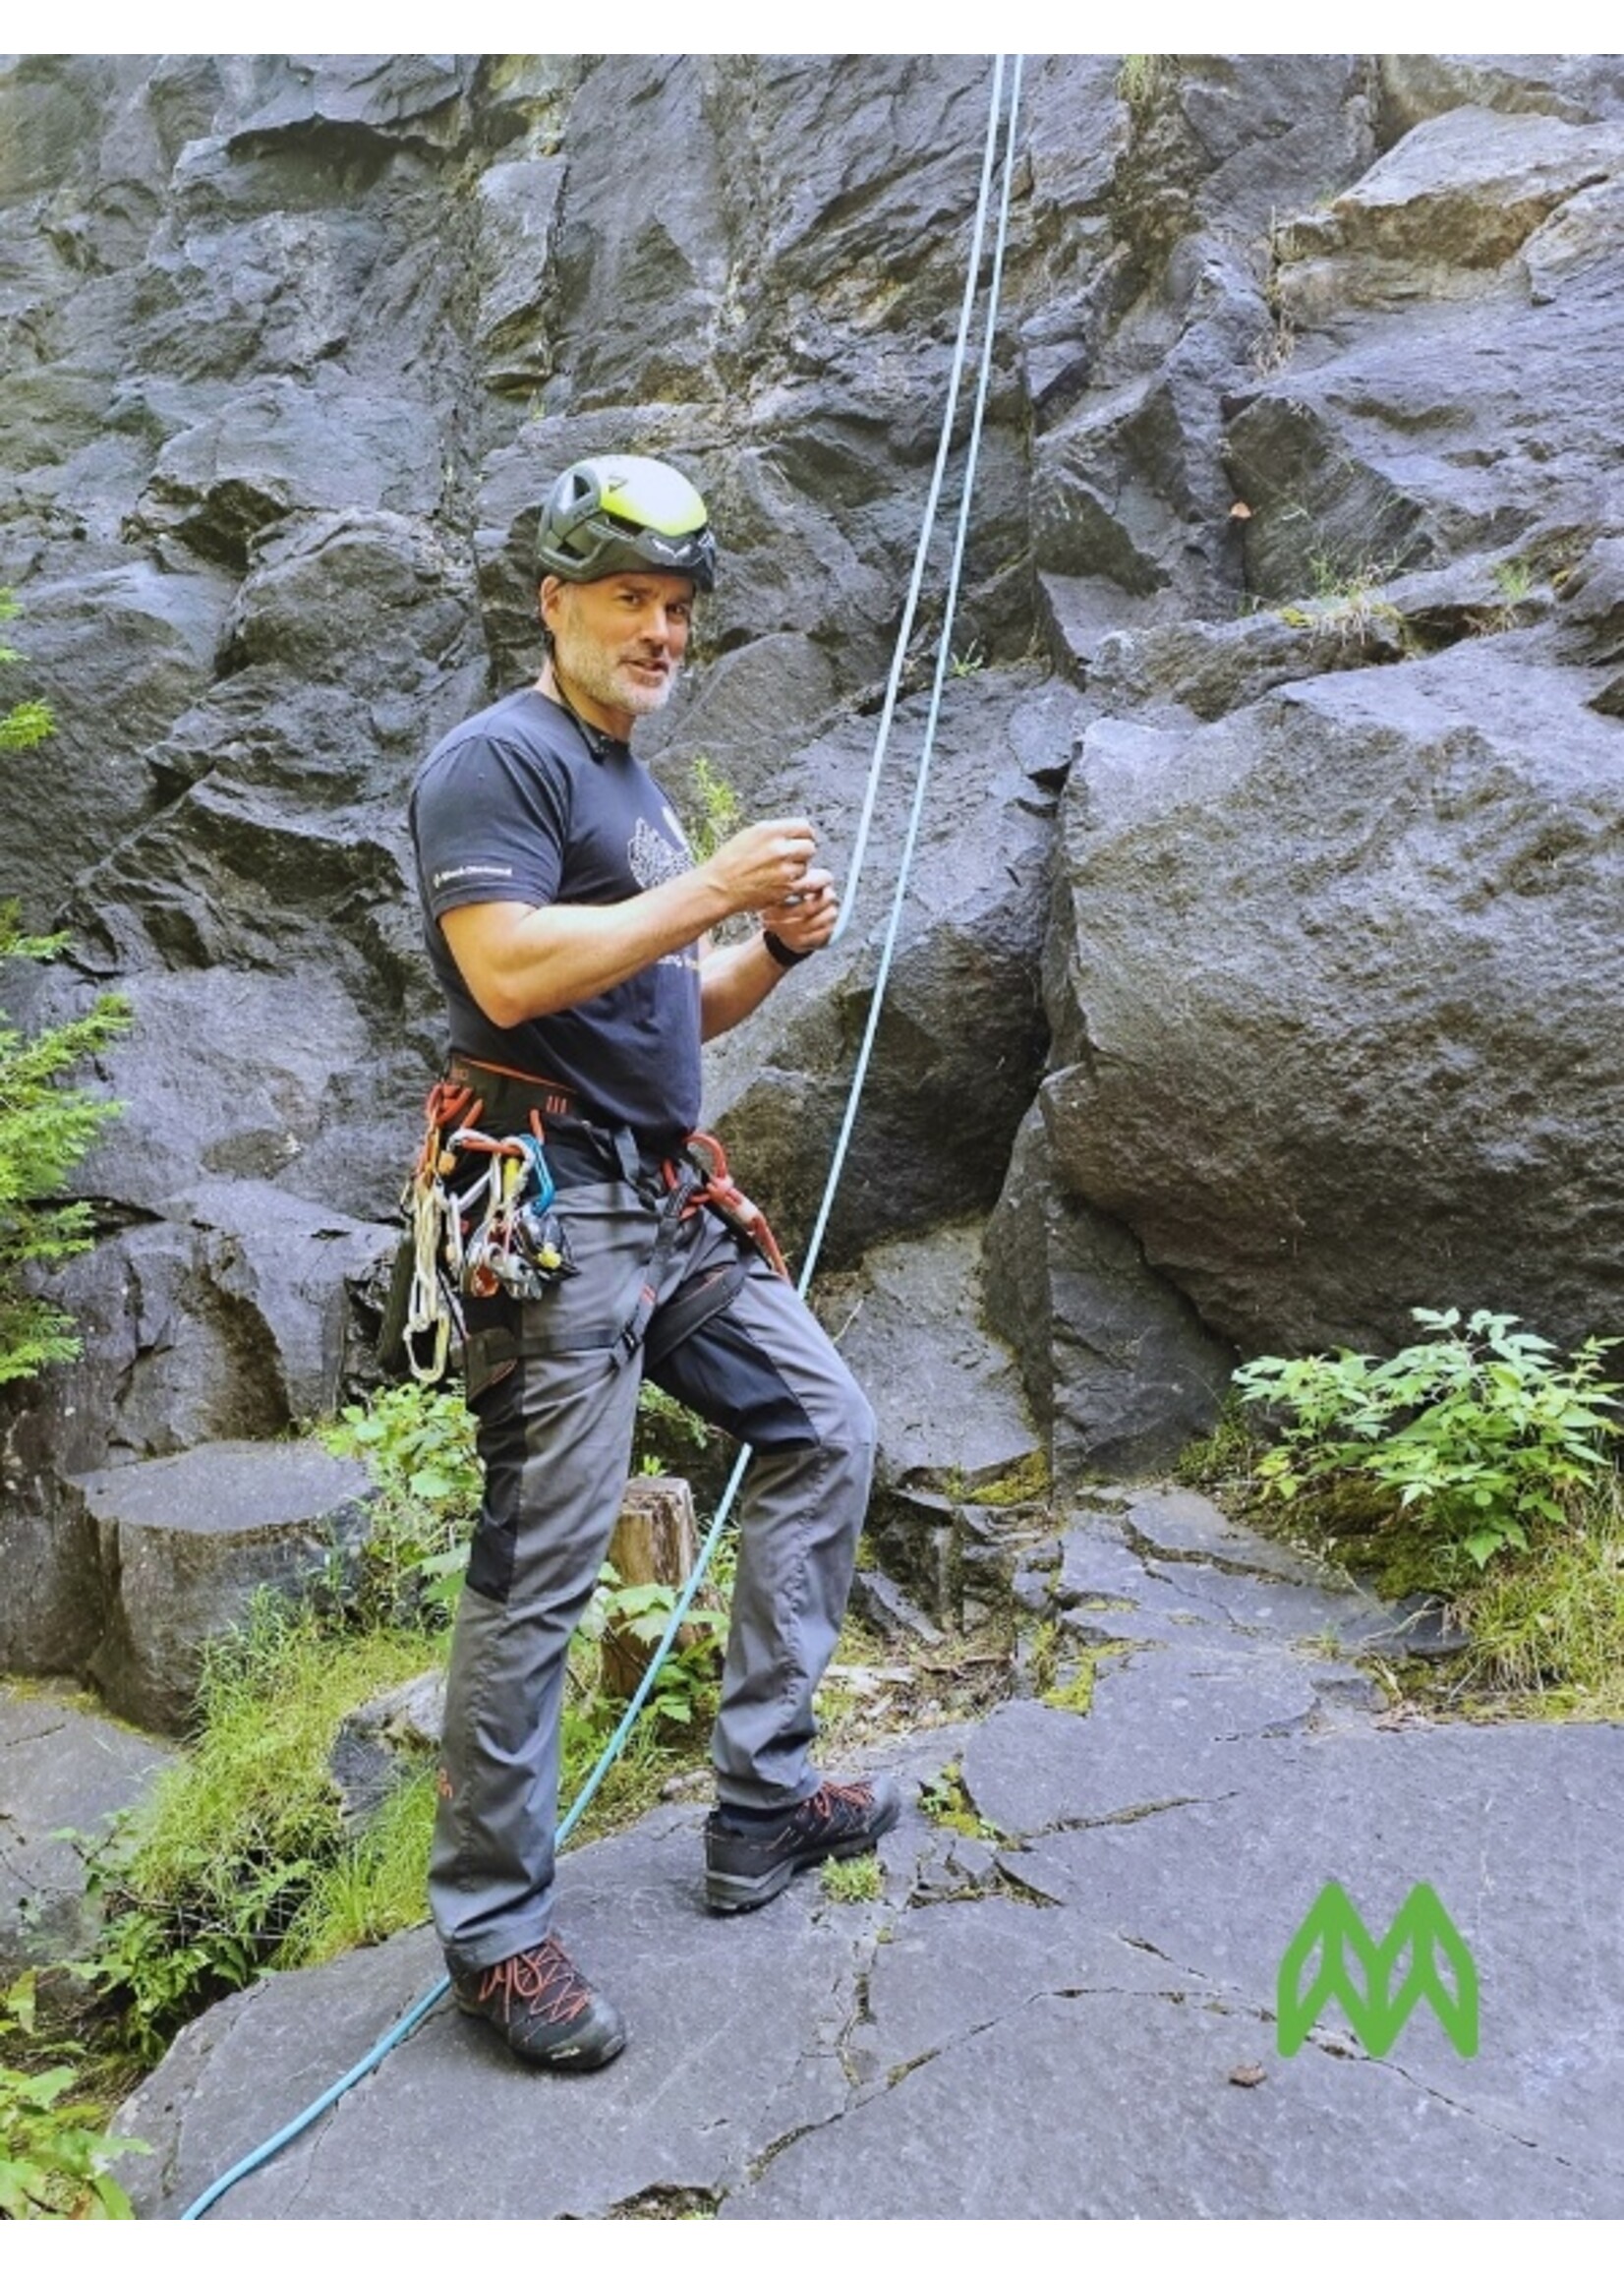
(746, 1866)
(549, 2013)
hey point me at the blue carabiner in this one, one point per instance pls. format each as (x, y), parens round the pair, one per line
(547, 1192)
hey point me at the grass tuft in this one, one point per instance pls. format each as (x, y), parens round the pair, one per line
(1547, 1627)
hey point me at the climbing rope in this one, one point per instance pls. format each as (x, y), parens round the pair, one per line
(424, 2005)
(927, 526)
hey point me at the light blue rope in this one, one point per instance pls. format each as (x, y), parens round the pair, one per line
(425, 2005)
(944, 647)
(927, 527)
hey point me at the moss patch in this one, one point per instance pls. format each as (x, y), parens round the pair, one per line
(1078, 1695)
(946, 1802)
(854, 1879)
(1028, 1479)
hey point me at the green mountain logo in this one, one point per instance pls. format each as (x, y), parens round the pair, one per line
(1423, 1928)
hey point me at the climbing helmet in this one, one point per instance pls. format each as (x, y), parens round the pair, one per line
(611, 514)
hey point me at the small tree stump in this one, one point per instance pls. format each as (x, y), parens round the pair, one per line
(655, 1539)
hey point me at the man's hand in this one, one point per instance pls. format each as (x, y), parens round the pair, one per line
(762, 866)
(806, 920)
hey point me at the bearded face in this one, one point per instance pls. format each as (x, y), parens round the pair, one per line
(619, 641)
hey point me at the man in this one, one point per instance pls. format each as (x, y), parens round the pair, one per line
(566, 922)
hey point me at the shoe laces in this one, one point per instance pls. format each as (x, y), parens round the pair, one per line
(542, 1981)
(829, 1797)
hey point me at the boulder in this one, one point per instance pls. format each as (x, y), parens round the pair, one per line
(227, 1313)
(185, 1544)
(947, 1398)
(1329, 978)
(960, 1042)
(382, 1742)
(960, 1475)
(1120, 1370)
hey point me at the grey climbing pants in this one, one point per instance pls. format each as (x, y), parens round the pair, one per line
(554, 1385)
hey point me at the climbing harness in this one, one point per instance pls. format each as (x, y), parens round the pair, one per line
(420, 2011)
(494, 1230)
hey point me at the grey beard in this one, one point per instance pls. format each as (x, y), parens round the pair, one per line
(580, 663)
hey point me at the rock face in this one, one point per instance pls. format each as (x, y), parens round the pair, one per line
(1293, 563)
(1121, 1370)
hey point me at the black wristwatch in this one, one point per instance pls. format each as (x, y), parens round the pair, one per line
(786, 958)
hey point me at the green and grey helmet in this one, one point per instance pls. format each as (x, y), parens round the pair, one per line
(609, 514)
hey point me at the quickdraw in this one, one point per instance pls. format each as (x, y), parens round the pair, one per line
(435, 1232)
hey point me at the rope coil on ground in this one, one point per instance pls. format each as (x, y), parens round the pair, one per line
(419, 2013)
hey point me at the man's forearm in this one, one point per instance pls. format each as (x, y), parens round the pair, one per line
(526, 963)
(734, 982)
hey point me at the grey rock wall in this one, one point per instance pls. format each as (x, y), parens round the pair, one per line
(1276, 834)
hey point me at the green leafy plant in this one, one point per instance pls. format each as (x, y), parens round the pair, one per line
(1480, 1430)
(53, 2152)
(710, 814)
(417, 1444)
(46, 1129)
(686, 1683)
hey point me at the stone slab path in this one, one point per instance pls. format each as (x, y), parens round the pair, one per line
(1044, 2013)
(63, 1767)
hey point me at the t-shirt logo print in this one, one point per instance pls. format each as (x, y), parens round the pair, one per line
(653, 858)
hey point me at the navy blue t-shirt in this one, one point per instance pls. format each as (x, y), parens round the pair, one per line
(524, 802)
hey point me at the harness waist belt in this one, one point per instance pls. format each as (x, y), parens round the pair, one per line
(509, 1097)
